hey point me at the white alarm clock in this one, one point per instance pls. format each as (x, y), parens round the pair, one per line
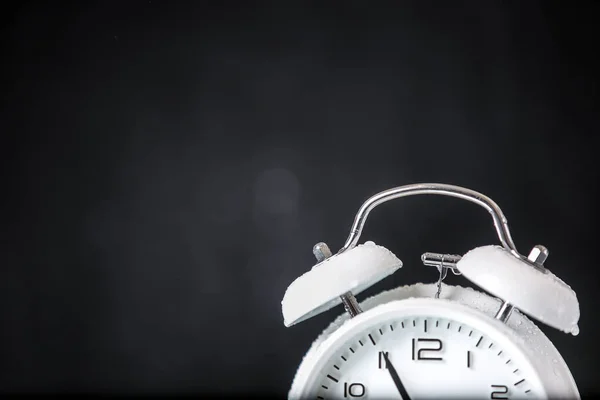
(434, 340)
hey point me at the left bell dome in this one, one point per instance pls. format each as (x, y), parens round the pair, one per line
(320, 289)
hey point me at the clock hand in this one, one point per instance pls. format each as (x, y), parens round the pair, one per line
(395, 377)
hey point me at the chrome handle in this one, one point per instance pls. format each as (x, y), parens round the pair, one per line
(500, 222)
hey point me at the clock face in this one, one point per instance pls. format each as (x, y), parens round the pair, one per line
(434, 352)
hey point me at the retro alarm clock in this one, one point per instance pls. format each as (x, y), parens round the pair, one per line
(434, 340)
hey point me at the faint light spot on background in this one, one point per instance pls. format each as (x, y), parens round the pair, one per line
(276, 192)
(276, 203)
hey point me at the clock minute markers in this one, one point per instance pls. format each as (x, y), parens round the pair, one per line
(479, 341)
(355, 377)
(372, 341)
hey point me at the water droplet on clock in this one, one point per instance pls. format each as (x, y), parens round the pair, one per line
(575, 330)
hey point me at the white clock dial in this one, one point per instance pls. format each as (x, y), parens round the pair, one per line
(433, 357)
(434, 353)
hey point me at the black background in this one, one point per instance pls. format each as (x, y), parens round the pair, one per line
(168, 166)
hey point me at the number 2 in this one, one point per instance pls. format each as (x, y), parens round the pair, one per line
(497, 394)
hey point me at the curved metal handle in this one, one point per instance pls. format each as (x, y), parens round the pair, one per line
(500, 221)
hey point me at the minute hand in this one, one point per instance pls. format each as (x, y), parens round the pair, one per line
(395, 377)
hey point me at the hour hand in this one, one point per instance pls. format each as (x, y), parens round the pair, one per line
(395, 377)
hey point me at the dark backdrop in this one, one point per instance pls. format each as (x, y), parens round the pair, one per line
(167, 167)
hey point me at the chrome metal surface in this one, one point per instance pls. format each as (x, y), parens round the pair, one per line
(443, 262)
(538, 254)
(500, 222)
(351, 304)
(321, 251)
(438, 260)
(443, 273)
(504, 312)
